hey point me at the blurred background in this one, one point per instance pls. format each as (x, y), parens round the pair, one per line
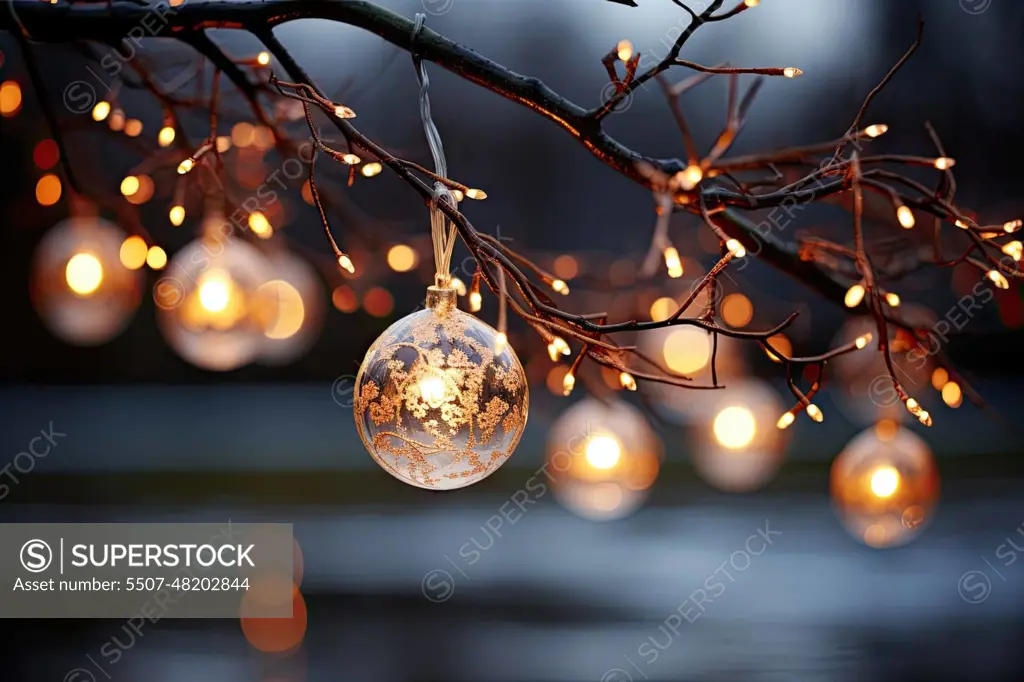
(708, 546)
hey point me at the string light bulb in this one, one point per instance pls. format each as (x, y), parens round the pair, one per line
(624, 50)
(372, 169)
(346, 264)
(998, 279)
(814, 412)
(862, 341)
(176, 215)
(751, 3)
(101, 111)
(560, 287)
(905, 216)
(961, 224)
(166, 136)
(892, 299)
(876, 130)
(263, 58)
(854, 295)
(475, 301)
(1014, 249)
(557, 347)
(792, 72)
(477, 194)
(351, 159)
(690, 176)
(568, 383)
(1013, 225)
(627, 381)
(435, 405)
(944, 163)
(341, 111)
(785, 420)
(735, 248)
(186, 165)
(673, 263)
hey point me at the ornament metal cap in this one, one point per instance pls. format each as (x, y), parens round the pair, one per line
(441, 299)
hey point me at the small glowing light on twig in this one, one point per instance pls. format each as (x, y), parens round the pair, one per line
(952, 394)
(690, 176)
(458, 285)
(876, 130)
(913, 407)
(166, 136)
(186, 165)
(371, 169)
(627, 381)
(341, 111)
(998, 279)
(944, 163)
(735, 248)
(1013, 225)
(854, 295)
(557, 347)
(100, 111)
(568, 383)
(177, 215)
(905, 216)
(862, 341)
(263, 58)
(500, 343)
(560, 287)
(458, 195)
(624, 50)
(477, 194)
(346, 264)
(259, 224)
(791, 72)
(673, 262)
(475, 301)
(1014, 249)
(925, 418)
(892, 299)
(350, 159)
(814, 412)
(785, 420)
(751, 3)
(961, 224)
(130, 185)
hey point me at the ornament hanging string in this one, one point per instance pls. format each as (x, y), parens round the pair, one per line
(442, 231)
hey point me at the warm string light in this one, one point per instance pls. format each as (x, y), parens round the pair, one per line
(751, 3)
(876, 130)
(568, 383)
(854, 295)
(735, 248)
(862, 341)
(944, 163)
(892, 299)
(346, 264)
(477, 194)
(627, 380)
(560, 287)
(1014, 249)
(673, 262)
(998, 279)
(475, 299)
(176, 215)
(690, 176)
(961, 224)
(814, 412)
(905, 216)
(1013, 225)
(351, 159)
(101, 111)
(186, 166)
(341, 111)
(792, 72)
(166, 136)
(785, 420)
(263, 58)
(624, 50)
(372, 169)
(557, 347)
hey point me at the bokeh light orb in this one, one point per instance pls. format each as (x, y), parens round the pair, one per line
(865, 391)
(441, 402)
(211, 307)
(82, 292)
(298, 309)
(602, 459)
(885, 485)
(687, 350)
(739, 448)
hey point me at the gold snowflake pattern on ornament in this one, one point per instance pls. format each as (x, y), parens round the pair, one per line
(434, 404)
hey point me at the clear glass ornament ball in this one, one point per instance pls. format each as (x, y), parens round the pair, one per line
(602, 459)
(212, 307)
(82, 292)
(441, 400)
(885, 485)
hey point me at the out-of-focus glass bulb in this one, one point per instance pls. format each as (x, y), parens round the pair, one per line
(295, 308)
(602, 459)
(885, 486)
(212, 307)
(79, 287)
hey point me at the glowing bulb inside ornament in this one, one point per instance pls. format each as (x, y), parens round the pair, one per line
(884, 481)
(603, 452)
(215, 291)
(735, 427)
(441, 398)
(83, 273)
